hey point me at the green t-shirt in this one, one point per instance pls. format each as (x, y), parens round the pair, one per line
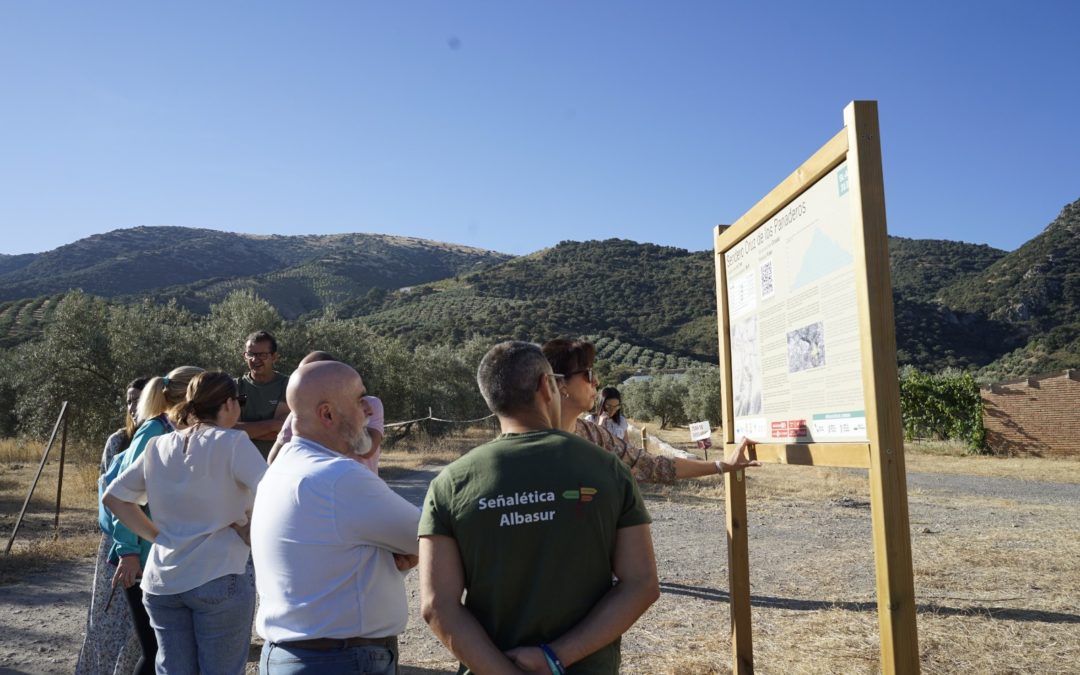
(262, 402)
(535, 516)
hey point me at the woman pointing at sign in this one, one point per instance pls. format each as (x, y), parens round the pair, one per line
(573, 361)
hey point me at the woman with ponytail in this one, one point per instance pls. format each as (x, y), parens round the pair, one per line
(199, 483)
(160, 397)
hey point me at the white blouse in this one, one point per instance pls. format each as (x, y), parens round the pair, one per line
(194, 494)
(617, 429)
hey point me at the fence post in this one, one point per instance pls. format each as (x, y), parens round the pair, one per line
(60, 477)
(44, 457)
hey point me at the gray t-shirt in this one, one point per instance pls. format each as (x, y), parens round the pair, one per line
(262, 402)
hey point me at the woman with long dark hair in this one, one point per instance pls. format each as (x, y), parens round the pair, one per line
(199, 483)
(608, 413)
(110, 643)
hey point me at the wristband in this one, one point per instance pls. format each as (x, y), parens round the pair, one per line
(554, 663)
(719, 466)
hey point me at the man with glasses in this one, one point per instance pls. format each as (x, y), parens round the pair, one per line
(266, 408)
(533, 526)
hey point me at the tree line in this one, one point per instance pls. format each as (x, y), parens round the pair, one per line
(91, 348)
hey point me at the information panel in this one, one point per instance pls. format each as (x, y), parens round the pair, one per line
(794, 322)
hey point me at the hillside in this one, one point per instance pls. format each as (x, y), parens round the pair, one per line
(957, 305)
(921, 268)
(652, 296)
(1034, 292)
(199, 267)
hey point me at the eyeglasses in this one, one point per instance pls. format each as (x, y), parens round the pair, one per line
(258, 355)
(559, 377)
(588, 373)
(241, 399)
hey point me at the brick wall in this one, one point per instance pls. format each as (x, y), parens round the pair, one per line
(1035, 416)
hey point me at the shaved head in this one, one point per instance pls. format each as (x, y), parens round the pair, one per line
(326, 398)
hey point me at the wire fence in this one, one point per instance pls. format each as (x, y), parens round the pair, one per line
(431, 418)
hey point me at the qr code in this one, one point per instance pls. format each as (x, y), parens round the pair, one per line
(766, 279)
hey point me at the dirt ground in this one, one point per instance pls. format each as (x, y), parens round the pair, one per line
(994, 560)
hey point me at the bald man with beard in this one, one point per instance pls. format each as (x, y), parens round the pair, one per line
(330, 540)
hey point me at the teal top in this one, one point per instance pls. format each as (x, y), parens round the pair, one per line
(126, 542)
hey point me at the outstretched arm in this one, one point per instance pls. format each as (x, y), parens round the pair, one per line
(689, 468)
(442, 581)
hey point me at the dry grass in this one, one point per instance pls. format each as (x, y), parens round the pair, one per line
(996, 579)
(996, 582)
(38, 543)
(420, 450)
(20, 450)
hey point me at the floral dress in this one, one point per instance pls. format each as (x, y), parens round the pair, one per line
(110, 645)
(645, 467)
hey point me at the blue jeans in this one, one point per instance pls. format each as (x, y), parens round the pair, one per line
(361, 660)
(205, 630)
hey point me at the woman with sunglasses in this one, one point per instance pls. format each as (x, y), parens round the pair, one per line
(200, 484)
(572, 362)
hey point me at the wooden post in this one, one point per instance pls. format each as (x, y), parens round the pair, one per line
(742, 644)
(44, 457)
(888, 479)
(60, 477)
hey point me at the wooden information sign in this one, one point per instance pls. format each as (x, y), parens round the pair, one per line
(808, 359)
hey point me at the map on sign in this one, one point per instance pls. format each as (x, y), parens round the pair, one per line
(793, 322)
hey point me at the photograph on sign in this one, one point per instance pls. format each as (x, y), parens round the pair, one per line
(795, 344)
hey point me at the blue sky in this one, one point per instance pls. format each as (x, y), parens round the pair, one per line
(514, 125)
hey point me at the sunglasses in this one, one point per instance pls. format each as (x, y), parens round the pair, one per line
(241, 399)
(588, 374)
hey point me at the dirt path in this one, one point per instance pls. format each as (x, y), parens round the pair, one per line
(813, 585)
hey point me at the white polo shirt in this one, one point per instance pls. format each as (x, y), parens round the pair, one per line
(323, 536)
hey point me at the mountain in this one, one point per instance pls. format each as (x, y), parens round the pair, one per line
(199, 267)
(1033, 292)
(956, 304)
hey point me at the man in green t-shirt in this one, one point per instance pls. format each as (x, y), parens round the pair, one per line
(533, 526)
(265, 408)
